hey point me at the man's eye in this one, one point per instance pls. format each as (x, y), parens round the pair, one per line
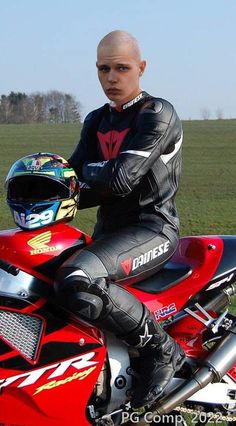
(123, 68)
(104, 69)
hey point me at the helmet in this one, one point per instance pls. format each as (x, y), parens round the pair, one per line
(42, 189)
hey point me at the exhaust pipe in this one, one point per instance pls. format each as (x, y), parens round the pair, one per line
(215, 366)
(221, 299)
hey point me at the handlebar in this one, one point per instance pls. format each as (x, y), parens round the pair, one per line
(9, 267)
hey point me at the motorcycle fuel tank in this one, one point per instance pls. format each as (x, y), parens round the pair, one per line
(40, 252)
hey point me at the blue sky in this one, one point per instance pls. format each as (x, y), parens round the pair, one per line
(190, 48)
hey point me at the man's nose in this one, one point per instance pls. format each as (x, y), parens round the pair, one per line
(112, 76)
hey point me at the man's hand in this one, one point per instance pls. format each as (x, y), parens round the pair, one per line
(98, 175)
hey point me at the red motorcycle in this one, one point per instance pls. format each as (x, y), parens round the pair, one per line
(57, 370)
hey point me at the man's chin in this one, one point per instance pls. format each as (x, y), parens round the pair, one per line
(119, 99)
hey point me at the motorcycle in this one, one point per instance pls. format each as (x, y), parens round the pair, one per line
(56, 369)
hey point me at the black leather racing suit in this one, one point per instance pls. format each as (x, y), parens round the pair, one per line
(132, 160)
(129, 163)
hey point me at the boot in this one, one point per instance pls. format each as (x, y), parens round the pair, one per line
(160, 357)
(113, 308)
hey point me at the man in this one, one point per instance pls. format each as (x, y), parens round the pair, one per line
(129, 159)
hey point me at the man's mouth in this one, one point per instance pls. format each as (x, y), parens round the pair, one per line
(113, 91)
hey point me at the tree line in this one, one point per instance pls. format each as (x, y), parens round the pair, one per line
(49, 107)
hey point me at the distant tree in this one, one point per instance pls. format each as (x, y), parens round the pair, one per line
(13, 108)
(205, 113)
(71, 110)
(38, 105)
(54, 101)
(219, 114)
(62, 107)
(53, 106)
(16, 98)
(4, 109)
(54, 115)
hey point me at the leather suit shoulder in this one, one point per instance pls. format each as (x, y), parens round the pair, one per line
(95, 114)
(160, 107)
(91, 122)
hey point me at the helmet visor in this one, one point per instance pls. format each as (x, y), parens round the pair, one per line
(36, 188)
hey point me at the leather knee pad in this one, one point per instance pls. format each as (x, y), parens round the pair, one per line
(108, 306)
(122, 312)
(77, 293)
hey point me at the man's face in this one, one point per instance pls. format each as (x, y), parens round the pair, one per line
(119, 71)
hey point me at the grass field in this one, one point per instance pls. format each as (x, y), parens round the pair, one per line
(207, 197)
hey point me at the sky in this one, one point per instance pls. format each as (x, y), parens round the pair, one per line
(189, 45)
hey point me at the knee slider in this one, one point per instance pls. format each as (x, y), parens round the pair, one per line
(87, 305)
(90, 303)
(81, 296)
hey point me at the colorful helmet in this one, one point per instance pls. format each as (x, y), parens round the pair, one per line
(42, 189)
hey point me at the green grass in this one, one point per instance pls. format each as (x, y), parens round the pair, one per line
(207, 196)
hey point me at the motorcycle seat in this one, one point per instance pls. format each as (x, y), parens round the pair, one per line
(170, 275)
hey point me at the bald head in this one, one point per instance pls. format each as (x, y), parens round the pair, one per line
(118, 40)
(120, 66)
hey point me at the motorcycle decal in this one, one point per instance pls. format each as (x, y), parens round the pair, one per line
(39, 243)
(110, 142)
(66, 208)
(34, 165)
(129, 265)
(222, 281)
(145, 338)
(59, 369)
(55, 383)
(33, 220)
(165, 311)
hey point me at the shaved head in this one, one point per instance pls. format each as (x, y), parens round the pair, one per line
(120, 66)
(117, 40)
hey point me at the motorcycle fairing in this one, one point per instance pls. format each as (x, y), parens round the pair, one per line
(56, 394)
(226, 269)
(23, 285)
(66, 365)
(40, 252)
(61, 342)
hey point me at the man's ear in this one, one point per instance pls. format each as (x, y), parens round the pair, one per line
(142, 67)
